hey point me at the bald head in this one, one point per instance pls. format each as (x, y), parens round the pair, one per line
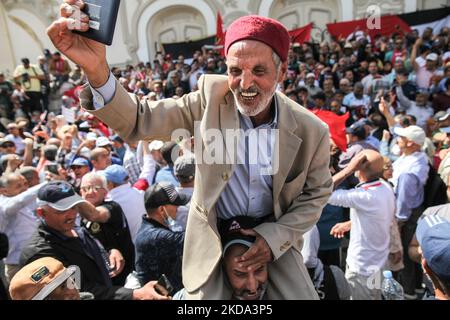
(373, 167)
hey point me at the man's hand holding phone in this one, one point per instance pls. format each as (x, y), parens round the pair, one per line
(90, 55)
(163, 286)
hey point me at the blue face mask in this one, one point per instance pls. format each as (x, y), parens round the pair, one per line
(171, 223)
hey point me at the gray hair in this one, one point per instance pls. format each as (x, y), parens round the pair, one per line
(50, 152)
(277, 60)
(7, 178)
(28, 172)
(94, 175)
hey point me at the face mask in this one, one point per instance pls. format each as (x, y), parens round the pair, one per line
(396, 150)
(332, 61)
(169, 221)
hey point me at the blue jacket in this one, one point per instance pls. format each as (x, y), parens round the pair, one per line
(159, 250)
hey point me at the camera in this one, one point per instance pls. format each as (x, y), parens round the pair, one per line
(25, 77)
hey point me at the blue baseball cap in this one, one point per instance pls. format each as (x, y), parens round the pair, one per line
(82, 162)
(60, 195)
(117, 138)
(116, 174)
(433, 235)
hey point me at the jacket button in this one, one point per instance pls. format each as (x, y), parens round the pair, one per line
(225, 176)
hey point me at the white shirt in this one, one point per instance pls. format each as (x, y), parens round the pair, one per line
(372, 208)
(423, 76)
(183, 211)
(132, 202)
(311, 244)
(19, 221)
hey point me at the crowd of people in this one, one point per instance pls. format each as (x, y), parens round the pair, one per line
(76, 192)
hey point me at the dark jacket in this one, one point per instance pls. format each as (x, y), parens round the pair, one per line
(46, 242)
(115, 234)
(159, 250)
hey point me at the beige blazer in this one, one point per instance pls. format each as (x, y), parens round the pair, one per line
(301, 186)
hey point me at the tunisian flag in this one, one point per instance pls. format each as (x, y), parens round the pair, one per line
(336, 124)
(220, 34)
(302, 34)
(388, 26)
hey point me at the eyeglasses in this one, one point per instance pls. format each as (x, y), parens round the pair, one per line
(91, 188)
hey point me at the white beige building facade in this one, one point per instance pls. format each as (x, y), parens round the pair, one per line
(143, 24)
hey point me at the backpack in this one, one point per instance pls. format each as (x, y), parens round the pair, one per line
(435, 190)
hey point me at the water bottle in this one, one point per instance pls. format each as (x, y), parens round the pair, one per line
(390, 288)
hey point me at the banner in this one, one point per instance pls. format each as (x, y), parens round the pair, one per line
(302, 34)
(389, 25)
(336, 124)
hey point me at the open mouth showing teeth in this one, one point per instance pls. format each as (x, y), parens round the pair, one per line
(248, 95)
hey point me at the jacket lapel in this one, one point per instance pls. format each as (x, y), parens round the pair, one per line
(286, 147)
(229, 120)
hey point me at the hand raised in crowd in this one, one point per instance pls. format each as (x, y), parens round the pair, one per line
(357, 163)
(116, 262)
(386, 135)
(418, 42)
(258, 254)
(13, 163)
(148, 292)
(88, 54)
(383, 106)
(340, 229)
(28, 142)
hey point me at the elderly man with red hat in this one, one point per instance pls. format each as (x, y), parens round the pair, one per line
(280, 179)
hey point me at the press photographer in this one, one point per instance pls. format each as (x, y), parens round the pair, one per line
(30, 76)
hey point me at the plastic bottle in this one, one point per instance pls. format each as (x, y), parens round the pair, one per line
(390, 288)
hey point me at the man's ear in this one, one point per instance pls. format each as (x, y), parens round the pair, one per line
(431, 275)
(283, 71)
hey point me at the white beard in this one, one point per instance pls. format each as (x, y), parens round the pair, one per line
(249, 113)
(260, 108)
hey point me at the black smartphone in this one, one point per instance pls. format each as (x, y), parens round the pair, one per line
(102, 20)
(53, 168)
(163, 286)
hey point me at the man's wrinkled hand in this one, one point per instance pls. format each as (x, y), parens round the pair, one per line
(116, 261)
(340, 229)
(258, 254)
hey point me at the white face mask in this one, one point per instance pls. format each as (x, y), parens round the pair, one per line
(396, 150)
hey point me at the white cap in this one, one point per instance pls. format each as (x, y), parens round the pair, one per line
(412, 133)
(432, 57)
(310, 75)
(91, 136)
(155, 145)
(102, 141)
